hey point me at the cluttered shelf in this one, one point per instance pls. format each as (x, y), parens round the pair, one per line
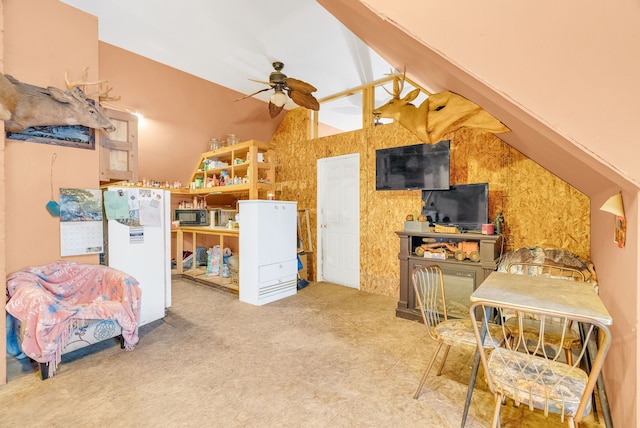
(191, 266)
(243, 168)
(231, 188)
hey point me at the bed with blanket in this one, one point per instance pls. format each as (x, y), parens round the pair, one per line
(65, 305)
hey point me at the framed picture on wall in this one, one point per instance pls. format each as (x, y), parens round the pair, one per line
(77, 136)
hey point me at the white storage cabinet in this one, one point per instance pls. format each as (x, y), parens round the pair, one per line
(268, 257)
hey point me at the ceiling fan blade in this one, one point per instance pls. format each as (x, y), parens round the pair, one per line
(299, 85)
(250, 95)
(274, 110)
(304, 100)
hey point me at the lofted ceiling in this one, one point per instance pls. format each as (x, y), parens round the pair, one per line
(230, 42)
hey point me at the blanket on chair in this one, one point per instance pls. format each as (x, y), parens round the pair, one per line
(51, 300)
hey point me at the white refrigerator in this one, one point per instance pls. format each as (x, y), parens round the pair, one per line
(140, 245)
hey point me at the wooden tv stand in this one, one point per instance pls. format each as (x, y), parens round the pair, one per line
(472, 274)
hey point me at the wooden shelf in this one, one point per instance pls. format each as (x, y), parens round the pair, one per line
(242, 164)
(258, 179)
(198, 273)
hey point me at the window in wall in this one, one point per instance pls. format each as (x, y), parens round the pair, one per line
(119, 149)
(352, 110)
(340, 115)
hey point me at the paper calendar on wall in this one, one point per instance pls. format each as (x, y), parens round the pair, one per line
(81, 229)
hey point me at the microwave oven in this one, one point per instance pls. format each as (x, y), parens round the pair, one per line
(192, 217)
(220, 217)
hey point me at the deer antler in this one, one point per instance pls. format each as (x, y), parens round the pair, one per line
(103, 95)
(398, 83)
(81, 84)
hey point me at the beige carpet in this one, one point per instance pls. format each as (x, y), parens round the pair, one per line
(328, 357)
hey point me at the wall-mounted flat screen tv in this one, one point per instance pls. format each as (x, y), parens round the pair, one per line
(416, 167)
(464, 205)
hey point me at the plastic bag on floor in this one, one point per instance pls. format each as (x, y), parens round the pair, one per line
(213, 261)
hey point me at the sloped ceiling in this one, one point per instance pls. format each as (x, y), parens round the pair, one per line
(539, 138)
(231, 42)
(340, 44)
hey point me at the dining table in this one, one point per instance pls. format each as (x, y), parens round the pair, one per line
(529, 292)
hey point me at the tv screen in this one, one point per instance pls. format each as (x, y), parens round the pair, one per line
(465, 206)
(421, 166)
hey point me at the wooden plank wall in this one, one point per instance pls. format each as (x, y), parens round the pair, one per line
(539, 208)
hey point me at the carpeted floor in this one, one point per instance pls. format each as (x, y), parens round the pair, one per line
(330, 356)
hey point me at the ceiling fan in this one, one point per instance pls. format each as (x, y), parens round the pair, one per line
(298, 91)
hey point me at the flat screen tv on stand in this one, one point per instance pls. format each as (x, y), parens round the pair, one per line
(465, 206)
(415, 167)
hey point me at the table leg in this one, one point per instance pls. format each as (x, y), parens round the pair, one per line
(472, 384)
(602, 393)
(474, 370)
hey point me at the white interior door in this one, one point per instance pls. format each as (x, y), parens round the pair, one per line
(339, 220)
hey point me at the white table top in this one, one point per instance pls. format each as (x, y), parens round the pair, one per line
(533, 292)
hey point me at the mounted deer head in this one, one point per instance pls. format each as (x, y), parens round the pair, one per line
(439, 114)
(449, 112)
(401, 110)
(23, 106)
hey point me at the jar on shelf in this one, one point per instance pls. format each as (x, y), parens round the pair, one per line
(214, 144)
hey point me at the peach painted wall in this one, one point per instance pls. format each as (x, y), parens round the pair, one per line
(181, 113)
(45, 38)
(42, 40)
(30, 235)
(619, 292)
(587, 53)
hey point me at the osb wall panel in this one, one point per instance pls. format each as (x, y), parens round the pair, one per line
(539, 209)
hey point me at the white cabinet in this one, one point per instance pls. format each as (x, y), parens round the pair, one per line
(268, 257)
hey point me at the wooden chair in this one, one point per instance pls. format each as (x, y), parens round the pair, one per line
(567, 339)
(525, 372)
(430, 293)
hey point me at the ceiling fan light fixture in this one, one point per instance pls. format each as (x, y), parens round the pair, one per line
(278, 98)
(286, 89)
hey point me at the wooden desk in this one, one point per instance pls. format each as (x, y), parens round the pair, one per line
(538, 293)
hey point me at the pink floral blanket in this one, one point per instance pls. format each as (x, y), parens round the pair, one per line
(51, 300)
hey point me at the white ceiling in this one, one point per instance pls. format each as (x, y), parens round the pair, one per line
(230, 42)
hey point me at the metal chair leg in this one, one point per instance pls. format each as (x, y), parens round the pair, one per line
(426, 372)
(444, 359)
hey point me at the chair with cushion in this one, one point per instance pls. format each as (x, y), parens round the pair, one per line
(63, 306)
(568, 339)
(523, 370)
(430, 294)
